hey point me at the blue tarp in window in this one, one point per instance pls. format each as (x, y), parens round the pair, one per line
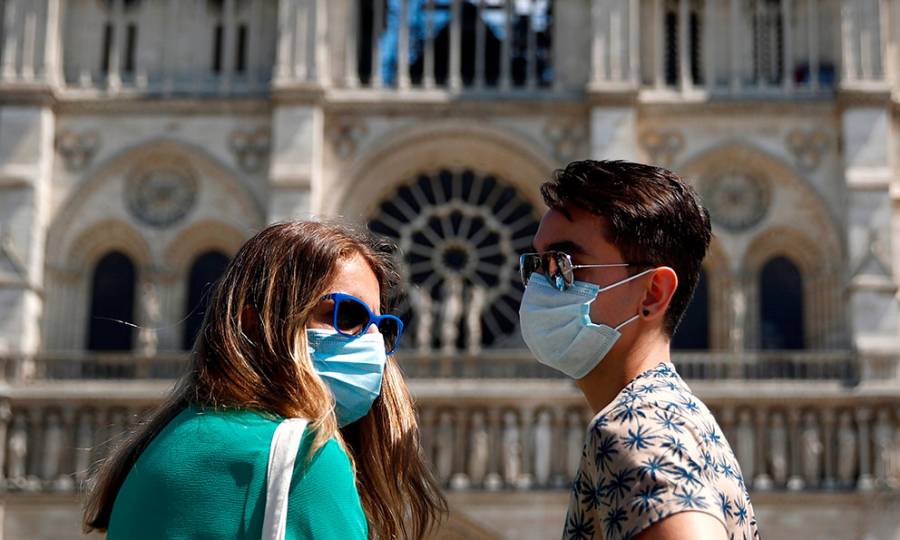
(492, 13)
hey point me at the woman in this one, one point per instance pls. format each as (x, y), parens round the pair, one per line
(291, 331)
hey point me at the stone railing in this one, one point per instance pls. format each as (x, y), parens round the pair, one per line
(488, 364)
(495, 436)
(842, 366)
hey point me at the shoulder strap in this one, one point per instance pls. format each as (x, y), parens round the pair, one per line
(282, 456)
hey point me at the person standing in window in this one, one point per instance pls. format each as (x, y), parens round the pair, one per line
(293, 330)
(618, 255)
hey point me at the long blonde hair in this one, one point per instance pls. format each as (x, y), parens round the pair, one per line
(282, 272)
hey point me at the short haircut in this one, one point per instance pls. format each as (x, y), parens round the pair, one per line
(654, 217)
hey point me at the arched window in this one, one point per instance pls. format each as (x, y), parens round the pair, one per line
(112, 304)
(781, 305)
(693, 332)
(207, 268)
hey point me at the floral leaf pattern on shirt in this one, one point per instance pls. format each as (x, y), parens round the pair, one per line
(654, 451)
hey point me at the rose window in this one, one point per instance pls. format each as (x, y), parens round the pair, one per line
(460, 234)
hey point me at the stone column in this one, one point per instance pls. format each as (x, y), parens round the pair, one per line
(295, 162)
(866, 481)
(828, 423)
(762, 481)
(26, 154)
(52, 32)
(873, 202)
(12, 32)
(795, 481)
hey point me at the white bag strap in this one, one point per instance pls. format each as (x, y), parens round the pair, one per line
(282, 456)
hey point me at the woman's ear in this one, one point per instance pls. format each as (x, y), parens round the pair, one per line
(659, 293)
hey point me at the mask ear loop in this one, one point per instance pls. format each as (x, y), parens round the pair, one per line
(624, 281)
(608, 287)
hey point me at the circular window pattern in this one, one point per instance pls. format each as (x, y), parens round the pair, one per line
(162, 196)
(460, 234)
(736, 201)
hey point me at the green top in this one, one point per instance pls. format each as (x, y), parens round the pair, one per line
(204, 477)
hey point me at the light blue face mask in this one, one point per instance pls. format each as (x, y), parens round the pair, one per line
(557, 327)
(352, 367)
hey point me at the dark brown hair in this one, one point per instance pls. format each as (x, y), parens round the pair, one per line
(653, 217)
(282, 272)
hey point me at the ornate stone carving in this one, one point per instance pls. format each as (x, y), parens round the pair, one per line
(778, 441)
(808, 147)
(444, 443)
(84, 441)
(812, 449)
(512, 450)
(421, 305)
(883, 435)
(479, 449)
(543, 445)
(18, 451)
(346, 135)
(736, 201)
(77, 149)
(662, 146)
(12, 264)
(745, 441)
(574, 442)
(847, 454)
(162, 194)
(460, 234)
(147, 338)
(569, 139)
(250, 148)
(451, 311)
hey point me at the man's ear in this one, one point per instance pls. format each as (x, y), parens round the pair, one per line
(660, 289)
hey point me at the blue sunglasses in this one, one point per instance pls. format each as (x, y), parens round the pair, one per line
(352, 317)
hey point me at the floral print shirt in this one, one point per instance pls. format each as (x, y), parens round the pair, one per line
(655, 451)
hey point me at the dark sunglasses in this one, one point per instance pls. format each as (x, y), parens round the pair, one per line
(557, 267)
(352, 317)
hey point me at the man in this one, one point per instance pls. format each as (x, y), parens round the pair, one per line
(618, 256)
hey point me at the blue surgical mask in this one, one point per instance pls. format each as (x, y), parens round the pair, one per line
(557, 327)
(352, 367)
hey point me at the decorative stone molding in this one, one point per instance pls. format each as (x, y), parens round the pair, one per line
(12, 265)
(569, 139)
(346, 135)
(250, 148)
(662, 146)
(161, 192)
(808, 147)
(77, 149)
(460, 233)
(736, 201)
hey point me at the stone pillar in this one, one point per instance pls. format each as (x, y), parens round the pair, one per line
(866, 481)
(295, 170)
(867, 142)
(26, 154)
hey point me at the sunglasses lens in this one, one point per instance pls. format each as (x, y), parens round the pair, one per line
(351, 317)
(390, 329)
(529, 263)
(564, 275)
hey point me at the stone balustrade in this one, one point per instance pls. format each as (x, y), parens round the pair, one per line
(489, 436)
(487, 364)
(678, 47)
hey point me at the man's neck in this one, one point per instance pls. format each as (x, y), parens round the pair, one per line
(605, 381)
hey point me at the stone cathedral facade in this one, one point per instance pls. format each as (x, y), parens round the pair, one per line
(142, 141)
